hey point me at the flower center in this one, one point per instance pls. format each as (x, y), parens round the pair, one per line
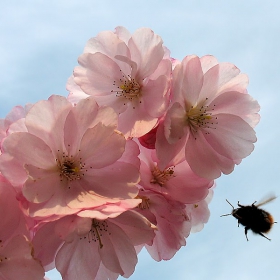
(70, 168)
(161, 177)
(128, 88)
(98, 228)
(200, 117)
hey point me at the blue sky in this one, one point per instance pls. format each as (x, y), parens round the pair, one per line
(40, 44)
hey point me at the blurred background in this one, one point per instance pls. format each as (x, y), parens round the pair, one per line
(39, 46)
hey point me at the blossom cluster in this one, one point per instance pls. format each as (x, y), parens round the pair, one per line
(128, 160)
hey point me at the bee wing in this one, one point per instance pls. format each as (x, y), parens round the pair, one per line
(266, 199)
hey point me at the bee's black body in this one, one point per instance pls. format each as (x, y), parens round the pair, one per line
(253, 218)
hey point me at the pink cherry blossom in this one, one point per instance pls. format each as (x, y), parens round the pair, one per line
(70, 158)
(176, 180)
(172, 221)
(96, 247)
(130, 73)
(211, 117)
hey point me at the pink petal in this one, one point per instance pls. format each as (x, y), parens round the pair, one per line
(97, 74)
(137, 227)
(135, 122)
(46, 120)
(19, 255)
(78, 258)
(155, 96)
(104, 273)
(108, 43)
(204, 160)
(77, 122)
(56, 205)
(41, 184)
(110, 210)
(165, 151)
(118, 254)
(131, 154)
(29, 149)
(80, 196)
(75, 92)
(207, 62)
(237, 103)
(188, 80)
(12, 220)
(123, 33)
(233, 137)
(46, 244)
(107, 116)
(114, 181)
(12, 169)
(175, 126)
(146, 50)
(101, 146)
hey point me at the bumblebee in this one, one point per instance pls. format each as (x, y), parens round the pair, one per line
(253, 218)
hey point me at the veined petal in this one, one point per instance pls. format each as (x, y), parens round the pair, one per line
(118, 253)
(146, 50)
(175, 124)
(114, 181)
(108, 43)
(77, 122)
(236, 103)
(233, 137)
(139, 229)
(156, 103)
(97, 74)
(81, 196)
(207, 62)
(165, 151)
(204, 160)
(110, 210)
(123, 33)
(188, 79)
(135, 122)
(12, 169)
(76, 258)
(29, 149)
(41, 184)
(101, 146)
(46, 120)
(18, 253)
(46, 244)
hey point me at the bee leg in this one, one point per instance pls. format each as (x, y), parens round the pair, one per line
(253, 204)
(246, 231)
(263, 235)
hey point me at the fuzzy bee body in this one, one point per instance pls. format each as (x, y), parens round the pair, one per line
(253, 218)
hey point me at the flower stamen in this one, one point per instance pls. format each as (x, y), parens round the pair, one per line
(161, 177)
(145, 204)
(128, 88)
(200, 117)
(70, 168)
